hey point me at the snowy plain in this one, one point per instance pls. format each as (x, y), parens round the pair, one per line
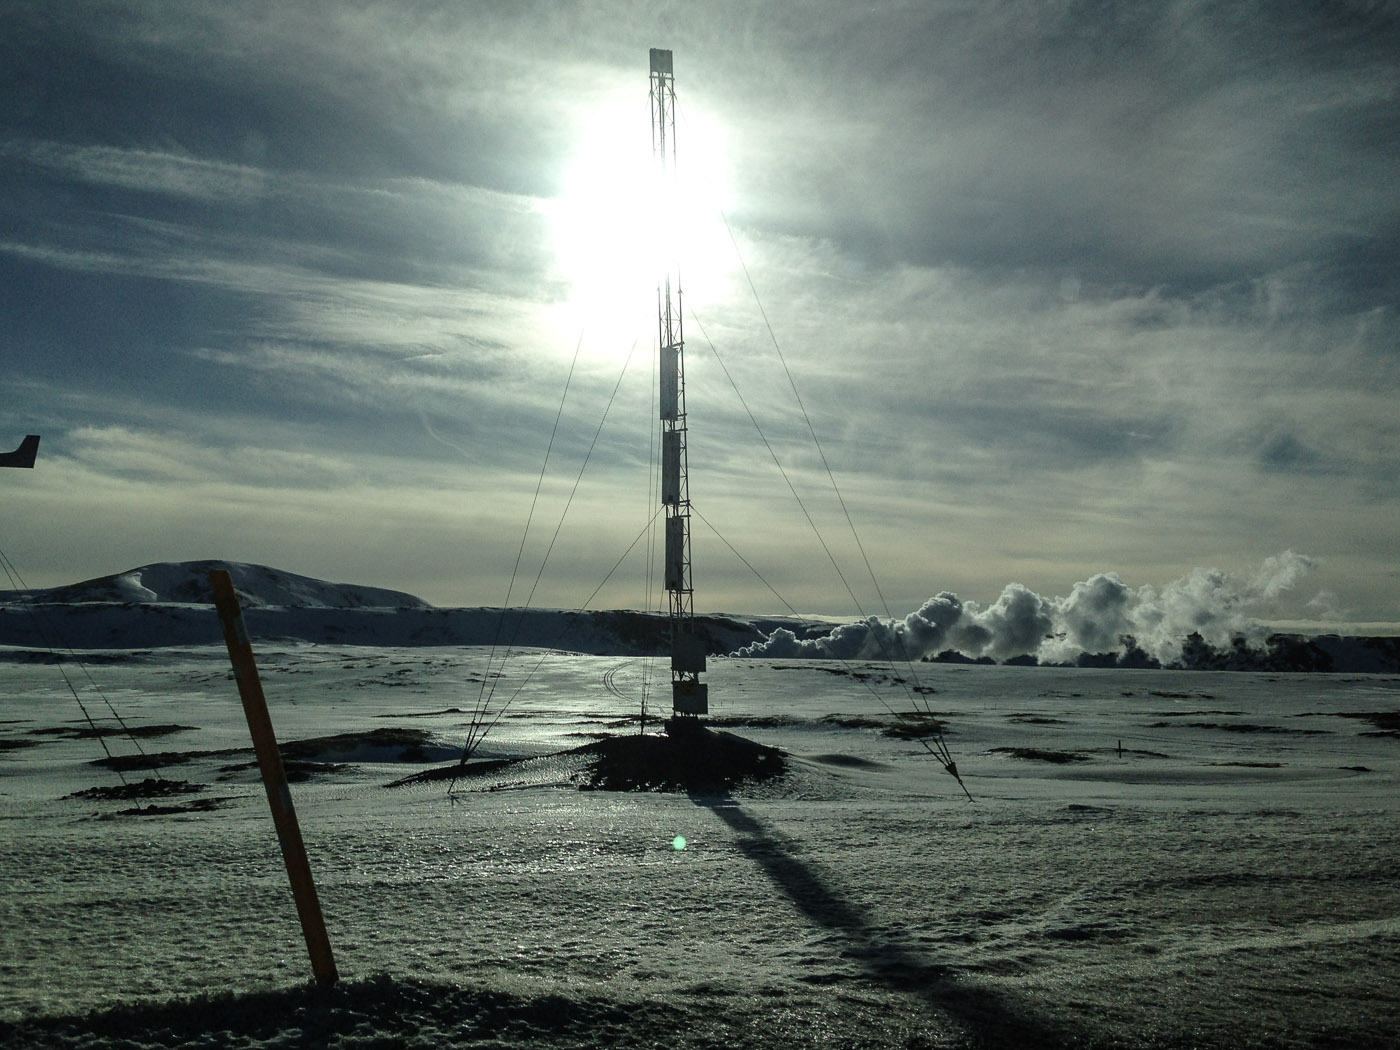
(1150, 859)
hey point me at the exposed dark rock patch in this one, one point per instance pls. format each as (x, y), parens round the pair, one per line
(1124, 752)
(852, 721)
(1188, 714)
(302, 758)
(134, 732)
(297, 771)
(1387, 723)
(467, 771)
(425, 714)
(300, 772)
(410, 743)
(159, 760)
(1252, 727)
(1239, 727)
(905, 725)
(198, 805)
(848, 761)
(1036, 754)
(915, 725)
(148, 788)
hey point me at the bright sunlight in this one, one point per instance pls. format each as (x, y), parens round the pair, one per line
(614, 232)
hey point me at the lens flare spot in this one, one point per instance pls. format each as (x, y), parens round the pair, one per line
(678, 843)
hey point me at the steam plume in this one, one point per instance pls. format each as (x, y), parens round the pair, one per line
(1095, 617)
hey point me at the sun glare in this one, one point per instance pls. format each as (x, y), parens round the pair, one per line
(614, 230)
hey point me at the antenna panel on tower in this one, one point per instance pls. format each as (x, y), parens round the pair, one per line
(675, 554)
(690, 698)
(687, 654)
(670, 382)
(671, 467)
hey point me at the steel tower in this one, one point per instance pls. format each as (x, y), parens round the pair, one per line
(689, 696)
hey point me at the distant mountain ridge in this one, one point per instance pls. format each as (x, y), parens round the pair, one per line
(187, 582)
(171, 603)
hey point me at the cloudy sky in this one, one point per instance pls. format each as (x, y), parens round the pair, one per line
(1065, 288)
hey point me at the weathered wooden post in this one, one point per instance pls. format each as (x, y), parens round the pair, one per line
(274, 776)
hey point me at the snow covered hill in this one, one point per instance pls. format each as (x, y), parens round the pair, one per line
(188, 582)
(171, 604)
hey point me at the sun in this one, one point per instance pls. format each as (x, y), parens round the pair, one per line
(614, 229)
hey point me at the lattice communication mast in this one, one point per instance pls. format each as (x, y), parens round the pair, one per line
(689, 696)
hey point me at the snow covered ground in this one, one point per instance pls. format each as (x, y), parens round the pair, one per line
(1151, 859)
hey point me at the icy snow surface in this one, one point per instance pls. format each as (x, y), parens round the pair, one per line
(1228, 879)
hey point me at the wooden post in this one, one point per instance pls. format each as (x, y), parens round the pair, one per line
(279, 796)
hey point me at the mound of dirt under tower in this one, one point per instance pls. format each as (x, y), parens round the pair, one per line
(688, 758)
